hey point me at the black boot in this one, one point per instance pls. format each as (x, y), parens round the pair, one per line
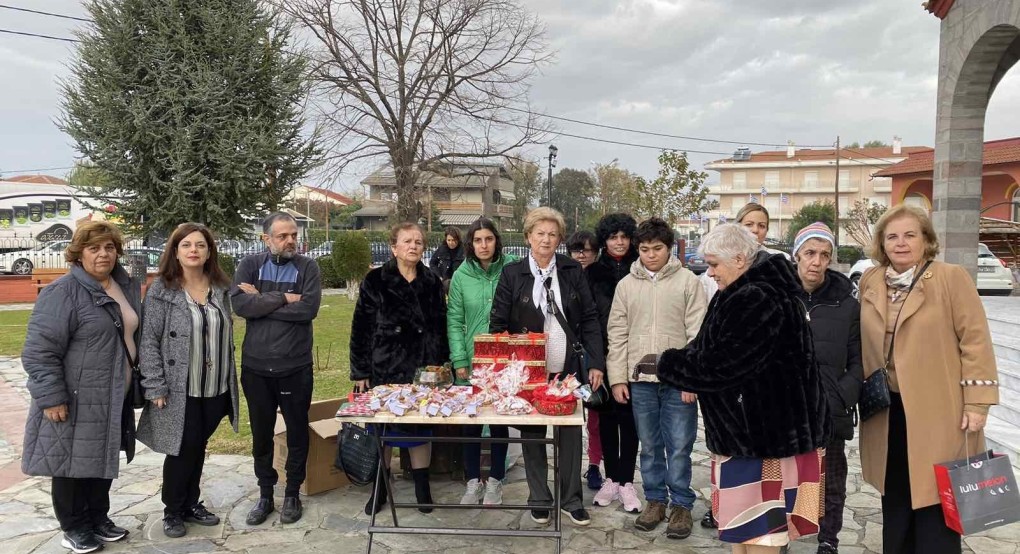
(422, 491)
(380, 493)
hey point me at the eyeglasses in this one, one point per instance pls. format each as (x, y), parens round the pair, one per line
(582, 251)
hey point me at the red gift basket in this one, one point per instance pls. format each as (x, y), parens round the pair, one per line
(552, 405)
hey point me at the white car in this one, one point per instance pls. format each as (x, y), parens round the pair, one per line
(993, 278)
(48, 255)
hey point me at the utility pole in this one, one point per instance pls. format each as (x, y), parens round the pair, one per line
(835, 232)
(552, 163)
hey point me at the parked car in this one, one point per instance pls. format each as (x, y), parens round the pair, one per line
(22, 262)
(324, 249)
(993, 277)
(695, 263)
(151, 254)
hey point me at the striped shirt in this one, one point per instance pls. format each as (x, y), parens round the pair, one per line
(209, 366)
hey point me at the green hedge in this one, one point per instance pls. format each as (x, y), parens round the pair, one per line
(227, 264)
(849, 254)
(330, 280)
(352, 256)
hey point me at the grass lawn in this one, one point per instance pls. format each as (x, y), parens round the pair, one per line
(332, 362)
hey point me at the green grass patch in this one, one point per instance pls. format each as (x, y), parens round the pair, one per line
(332, 362)
(12, 331)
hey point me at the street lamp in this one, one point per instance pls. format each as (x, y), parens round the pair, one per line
(552, 163)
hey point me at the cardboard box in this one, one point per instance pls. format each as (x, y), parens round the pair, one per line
(323, 428)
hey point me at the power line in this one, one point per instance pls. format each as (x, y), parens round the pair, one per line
(50, 14)
(35, 35)
(653, 133)
(36, 170)
(635, 145)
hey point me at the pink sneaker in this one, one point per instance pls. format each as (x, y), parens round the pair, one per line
(609, 492)
(628, 496)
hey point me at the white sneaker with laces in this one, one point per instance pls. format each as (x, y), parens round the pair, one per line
(609, 492)
(628, 496)
(474, 492)
(493, 492)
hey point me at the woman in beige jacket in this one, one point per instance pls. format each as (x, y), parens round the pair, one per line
(659, 305)
(942, 376)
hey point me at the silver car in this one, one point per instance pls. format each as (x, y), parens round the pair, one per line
(993, 277)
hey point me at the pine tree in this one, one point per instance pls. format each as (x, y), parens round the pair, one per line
(191, 110)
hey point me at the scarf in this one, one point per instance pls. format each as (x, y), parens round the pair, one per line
(898, 283)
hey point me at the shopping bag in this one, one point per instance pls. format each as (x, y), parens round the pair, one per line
(978, 493)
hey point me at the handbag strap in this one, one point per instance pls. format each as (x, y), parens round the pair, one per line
(575, 345)
(896, 324)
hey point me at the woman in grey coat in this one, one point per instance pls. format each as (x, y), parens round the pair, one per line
(78, 351)
(187, 365)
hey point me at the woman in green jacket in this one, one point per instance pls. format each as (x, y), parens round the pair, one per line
(471, 291)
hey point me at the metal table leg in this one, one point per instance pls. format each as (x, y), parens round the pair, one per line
(556, 488)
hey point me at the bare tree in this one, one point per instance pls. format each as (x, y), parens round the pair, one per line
(422, 81)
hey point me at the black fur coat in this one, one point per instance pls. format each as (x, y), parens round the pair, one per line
(753, 367)
(398, 326)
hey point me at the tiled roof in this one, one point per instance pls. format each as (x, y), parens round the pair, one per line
(810, 154)
(345, 200)
(995, 152)
(37, 179)
(938, 8)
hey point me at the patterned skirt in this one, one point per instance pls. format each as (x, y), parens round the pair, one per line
(770, 501)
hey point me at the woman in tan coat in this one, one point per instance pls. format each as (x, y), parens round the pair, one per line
(942, 376)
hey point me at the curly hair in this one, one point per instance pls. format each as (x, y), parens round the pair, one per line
(610, 224)
(93, 233)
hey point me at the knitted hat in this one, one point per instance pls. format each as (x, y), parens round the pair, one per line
(816, 230)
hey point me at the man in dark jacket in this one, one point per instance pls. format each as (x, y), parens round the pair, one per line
(834, 317)
(278, 293)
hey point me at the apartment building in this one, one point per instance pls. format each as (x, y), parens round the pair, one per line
(786, 181)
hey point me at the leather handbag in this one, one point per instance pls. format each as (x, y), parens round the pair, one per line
(599, 397)
(875, 395)
(357, 454)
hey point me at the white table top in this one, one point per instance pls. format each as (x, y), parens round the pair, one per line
(486, 416)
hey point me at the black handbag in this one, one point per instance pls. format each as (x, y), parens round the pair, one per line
(875, 396)
(599, 398)
(357, 454)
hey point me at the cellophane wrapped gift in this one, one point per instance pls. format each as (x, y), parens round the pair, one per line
(558, 398)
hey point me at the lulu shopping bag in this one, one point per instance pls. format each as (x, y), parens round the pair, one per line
(978, 493)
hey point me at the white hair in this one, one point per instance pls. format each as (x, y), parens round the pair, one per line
(728, 241)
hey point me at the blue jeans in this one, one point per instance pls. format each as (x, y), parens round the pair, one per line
(666, 427)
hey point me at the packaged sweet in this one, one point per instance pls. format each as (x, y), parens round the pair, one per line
(512, 405)
(434, 376)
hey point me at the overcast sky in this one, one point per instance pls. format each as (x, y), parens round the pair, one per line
(735, 70)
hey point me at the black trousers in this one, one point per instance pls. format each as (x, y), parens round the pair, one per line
(835, 492)
(182, 474)
(619, 442)
(80, 502)
(904, 529)
(293, 395)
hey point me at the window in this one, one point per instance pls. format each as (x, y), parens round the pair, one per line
(739, 180)
(1016, 204)
(809, 200)
(810, 179)
(771, 178)
(738, 202)
(844, 177)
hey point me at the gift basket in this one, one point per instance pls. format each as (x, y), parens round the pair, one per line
(558, 398)
(434, 376)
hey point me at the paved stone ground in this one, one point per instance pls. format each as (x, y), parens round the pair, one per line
(334, 521)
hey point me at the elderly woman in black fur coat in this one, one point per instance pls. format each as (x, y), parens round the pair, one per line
(399, 325)
(754, 369)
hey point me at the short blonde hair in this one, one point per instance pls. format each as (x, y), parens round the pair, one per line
(931, 240)
(545, 213)
(752, 207)
(92, 233)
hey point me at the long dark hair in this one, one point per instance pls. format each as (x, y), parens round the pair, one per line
(469, 243)
(170, 270)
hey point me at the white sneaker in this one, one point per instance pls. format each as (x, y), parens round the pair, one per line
(493, 492)
(628, 496)
(609, 492)
(474, 492)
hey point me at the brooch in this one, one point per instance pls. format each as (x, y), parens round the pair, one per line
(927, 275)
